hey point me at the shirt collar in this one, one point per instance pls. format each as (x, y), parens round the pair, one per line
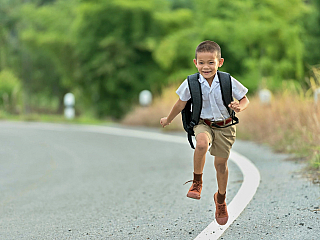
(201, 79)
(216, 78)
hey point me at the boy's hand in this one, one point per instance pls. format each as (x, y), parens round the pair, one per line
(164, 122)
(239, 106)
(177, 108)
(235, 106)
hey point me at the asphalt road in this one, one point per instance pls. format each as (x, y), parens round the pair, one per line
(62, 182)
(286, 204)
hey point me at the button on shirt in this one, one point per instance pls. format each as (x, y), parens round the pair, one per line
(212, 103)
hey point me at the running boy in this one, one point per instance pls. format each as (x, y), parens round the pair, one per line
(208, 60)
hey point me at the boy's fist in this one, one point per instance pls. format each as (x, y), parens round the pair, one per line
(164, 122)
(235, 106)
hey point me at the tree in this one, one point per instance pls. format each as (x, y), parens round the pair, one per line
(115, 40)
(46, 49)
(107, 51)
(259, 39)
(311, 35)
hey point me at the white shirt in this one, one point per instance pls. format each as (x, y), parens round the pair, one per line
(212, 103)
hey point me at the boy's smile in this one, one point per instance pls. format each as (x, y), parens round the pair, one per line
(207, 64)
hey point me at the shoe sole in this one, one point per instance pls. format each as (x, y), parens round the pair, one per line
(193, 195)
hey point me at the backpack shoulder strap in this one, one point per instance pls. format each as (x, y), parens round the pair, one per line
(226, 88)
(196, 98)
(196, 101)
(226, 92)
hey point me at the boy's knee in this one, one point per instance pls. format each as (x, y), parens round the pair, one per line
(202, 142)
(202, 145)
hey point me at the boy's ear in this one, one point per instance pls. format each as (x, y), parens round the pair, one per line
(221, 61)
(195, 61)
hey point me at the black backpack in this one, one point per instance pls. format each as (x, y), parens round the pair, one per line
(191, 112)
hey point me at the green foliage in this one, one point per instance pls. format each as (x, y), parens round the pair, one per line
(46, 54)
(9, 83)
(315, 161)
(259, 39)
(46, 34)
(311, 38)
(115, 54)
(176, 4)
(10, 89)
(107, 51)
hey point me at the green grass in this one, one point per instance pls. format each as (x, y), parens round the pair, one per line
(52, 118)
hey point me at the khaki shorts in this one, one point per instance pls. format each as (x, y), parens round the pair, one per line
(220, 139)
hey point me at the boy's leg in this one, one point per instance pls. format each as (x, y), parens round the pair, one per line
(224, 139)
(220, 196)
(222, 173)
(199, 159)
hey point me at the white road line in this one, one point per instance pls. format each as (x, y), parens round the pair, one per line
(251, 175)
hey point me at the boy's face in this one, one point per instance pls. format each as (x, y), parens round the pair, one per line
(208, 64)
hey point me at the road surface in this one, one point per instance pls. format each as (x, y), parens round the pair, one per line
(63, 182)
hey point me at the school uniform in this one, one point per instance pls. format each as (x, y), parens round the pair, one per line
(213, 109)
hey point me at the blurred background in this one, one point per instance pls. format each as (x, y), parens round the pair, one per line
(106, 52)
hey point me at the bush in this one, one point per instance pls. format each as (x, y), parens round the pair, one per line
(10, 89)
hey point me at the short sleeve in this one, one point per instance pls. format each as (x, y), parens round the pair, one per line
(183, 91)
(238, 90)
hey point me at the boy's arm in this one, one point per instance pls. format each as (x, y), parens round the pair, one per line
(239, 106)
(177, 108)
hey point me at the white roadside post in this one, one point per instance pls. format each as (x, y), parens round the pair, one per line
(265, 96)
(316, 96)
(145, 98)
(69, 102)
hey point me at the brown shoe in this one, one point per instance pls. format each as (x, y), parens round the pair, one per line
(195, 189)
(221, 211)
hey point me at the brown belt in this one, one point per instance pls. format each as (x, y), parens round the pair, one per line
(219, 123)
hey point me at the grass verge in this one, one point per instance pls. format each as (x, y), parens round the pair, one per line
(51, 118)
(290, 124)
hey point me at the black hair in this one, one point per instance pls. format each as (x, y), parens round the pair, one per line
(209, 46)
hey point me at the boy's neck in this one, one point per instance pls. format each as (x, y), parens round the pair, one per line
(210, 80)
